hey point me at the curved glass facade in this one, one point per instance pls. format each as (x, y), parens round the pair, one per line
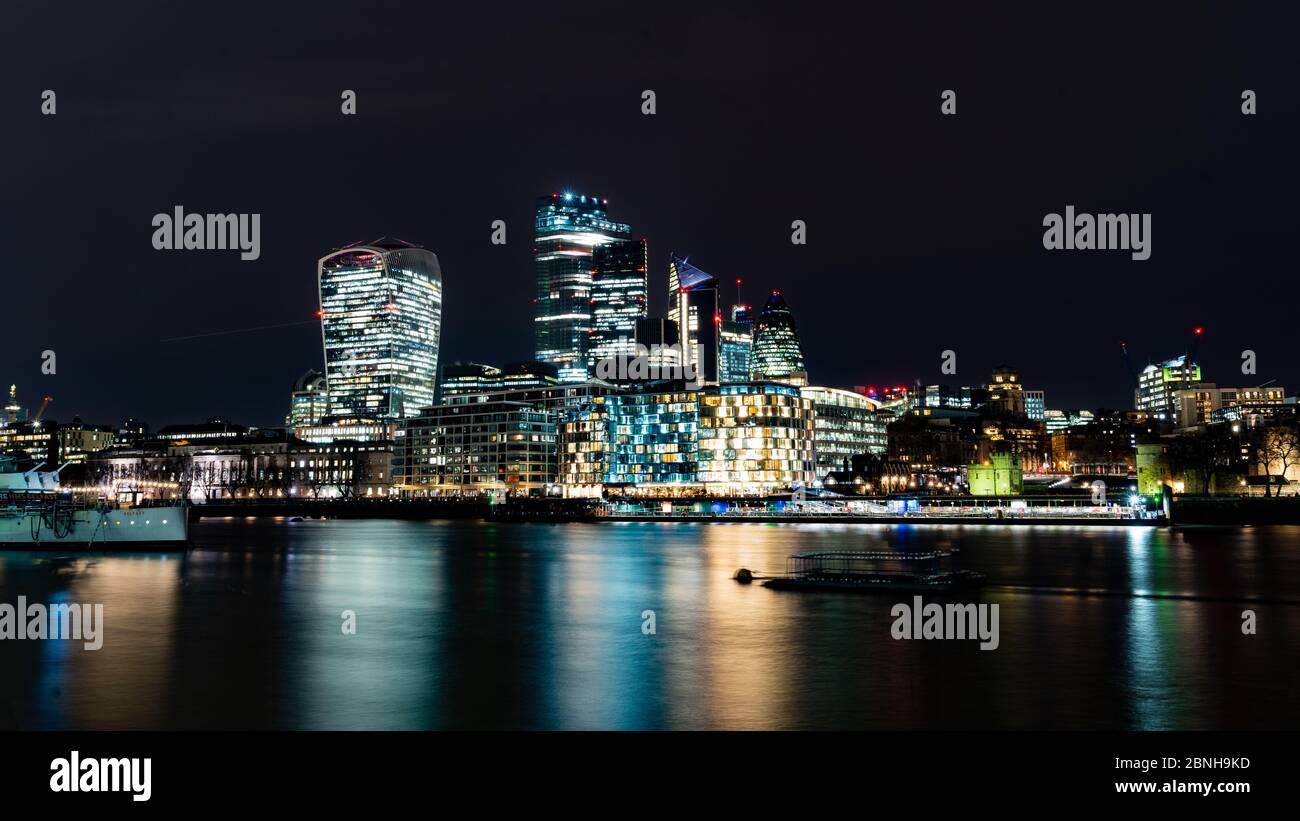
(755, 437)
(777, 355)
(734, 439)
(381, 320)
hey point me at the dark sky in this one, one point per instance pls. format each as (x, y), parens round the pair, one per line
(924, 232)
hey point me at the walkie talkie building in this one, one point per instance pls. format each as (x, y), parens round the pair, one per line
(381, 318)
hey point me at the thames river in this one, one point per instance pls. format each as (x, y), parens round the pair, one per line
(546, 626)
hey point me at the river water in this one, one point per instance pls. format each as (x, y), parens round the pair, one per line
(544, 626)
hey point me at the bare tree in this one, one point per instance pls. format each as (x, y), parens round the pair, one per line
(1275, 449)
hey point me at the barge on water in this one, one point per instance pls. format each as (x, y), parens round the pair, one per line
(875, 572)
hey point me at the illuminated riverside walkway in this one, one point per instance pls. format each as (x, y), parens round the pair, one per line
(893, 510)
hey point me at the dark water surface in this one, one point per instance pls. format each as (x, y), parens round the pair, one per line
(470, 624)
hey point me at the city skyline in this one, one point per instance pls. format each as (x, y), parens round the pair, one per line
(908, 215)
(624, 238)
(598, 368)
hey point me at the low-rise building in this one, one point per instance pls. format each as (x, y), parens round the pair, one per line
(255, 464)
(845, 426)
(447, 449)
(1198, 404)
(476, 449)
(1000, 475)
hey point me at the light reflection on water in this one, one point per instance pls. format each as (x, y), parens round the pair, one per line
(466, 624)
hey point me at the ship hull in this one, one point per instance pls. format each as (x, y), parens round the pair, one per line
(96, 529)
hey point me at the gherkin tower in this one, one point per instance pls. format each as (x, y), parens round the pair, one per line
(777, 355)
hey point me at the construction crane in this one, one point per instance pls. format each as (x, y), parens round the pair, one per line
(1191, 371)
(44, 404)
(1128, 363)
(1196, 344)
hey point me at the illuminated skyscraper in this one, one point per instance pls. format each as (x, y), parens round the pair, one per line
(309, 401)
(567, 230)
(694, 305)
(777, 355)
(618, 298)
(736, 345)
(381, 318)
(660, 339)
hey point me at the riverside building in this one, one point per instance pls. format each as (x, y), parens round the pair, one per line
(845, 426)
(492, 448)
(488, 443)
(730, 440)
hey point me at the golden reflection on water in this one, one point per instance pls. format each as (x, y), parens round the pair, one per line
(542, 626)
(123, 683)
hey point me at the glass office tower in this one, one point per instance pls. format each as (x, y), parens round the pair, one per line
(736, 344)
(618, 298)
(777, 355)
(694, 304)
(381, 318)
(309, 401)
(475, 377)
(567, 229)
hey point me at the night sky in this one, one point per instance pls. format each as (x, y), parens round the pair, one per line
(924, 231)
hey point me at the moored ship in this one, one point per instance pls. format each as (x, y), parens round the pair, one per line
(35, 513)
